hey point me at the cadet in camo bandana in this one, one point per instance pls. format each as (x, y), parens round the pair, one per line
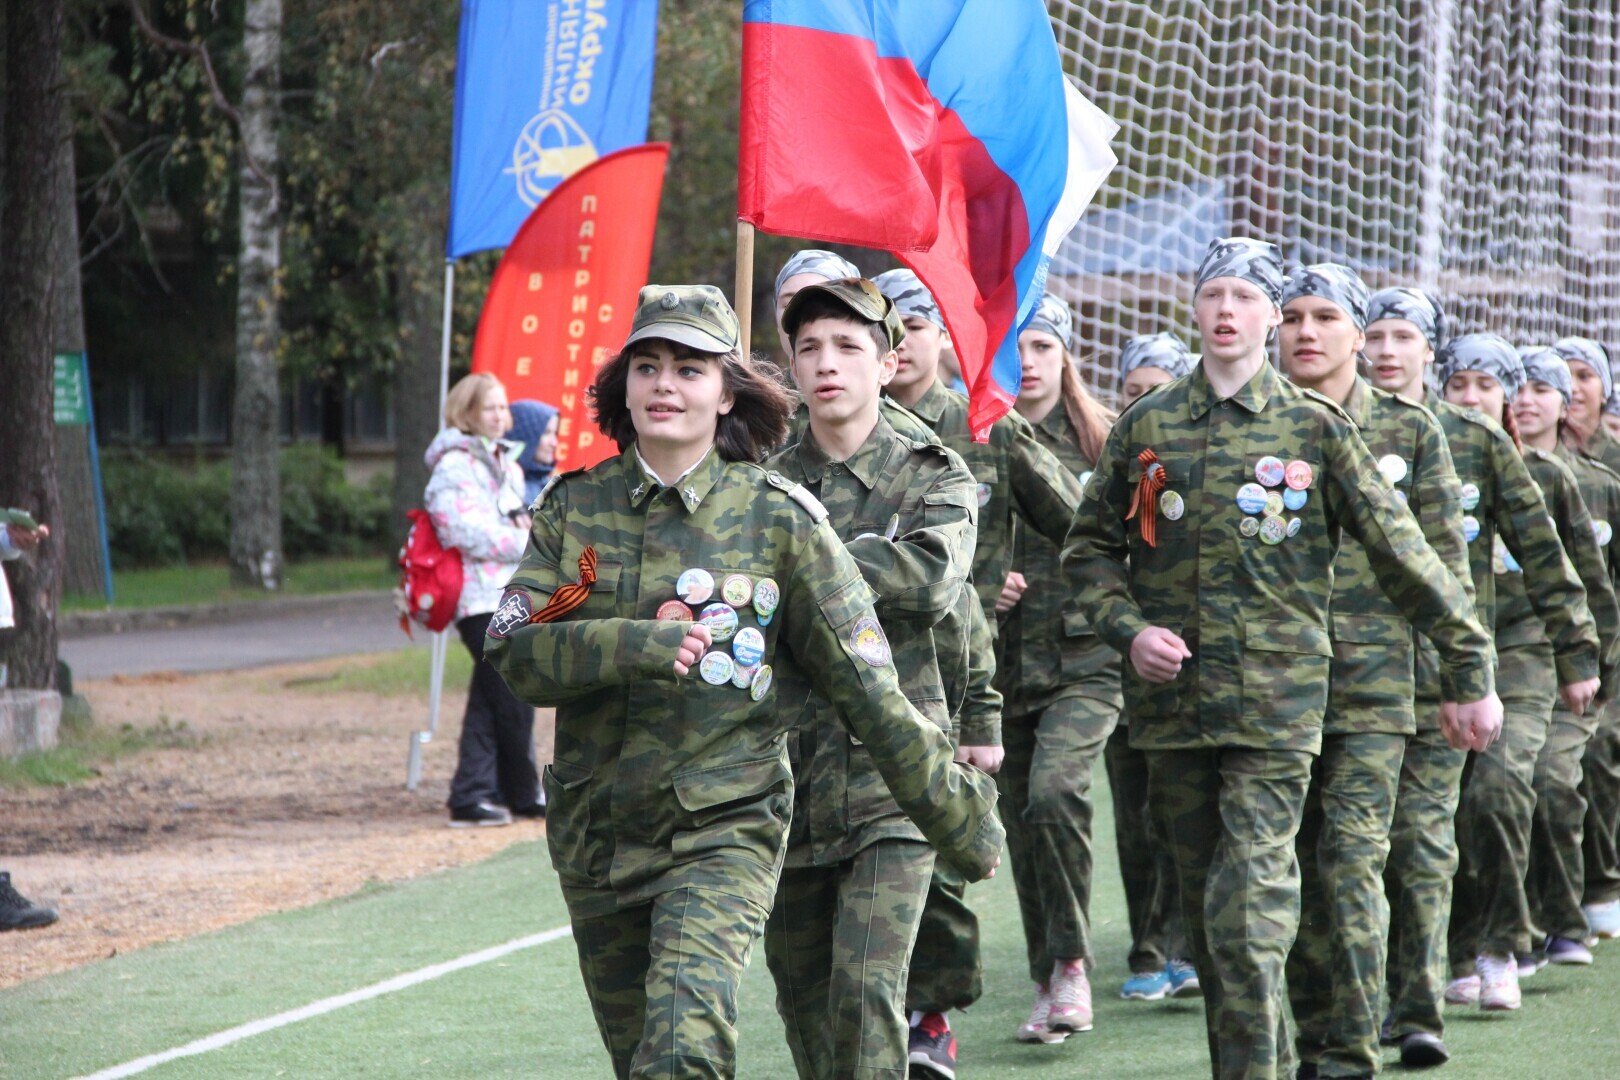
(1593, 383)
(1415, 306)
(1254, 261)
(1151, 359)
(1053, 316)
(812, 264)
(911, 297)
(1333, 282)
(1542, 364)
(1489, 353)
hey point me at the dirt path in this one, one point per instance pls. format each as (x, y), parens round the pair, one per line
(273, 798)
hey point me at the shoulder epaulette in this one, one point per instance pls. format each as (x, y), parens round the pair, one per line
(556, 477)
(1397, 399)
(1596, 465)
(906, 422)
(1323, 399)
(799, 494)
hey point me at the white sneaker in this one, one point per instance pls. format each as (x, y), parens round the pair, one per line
(1034, 1030)
(1498, 983)
(1604, 919)
(1463, 991)
(1071, 998)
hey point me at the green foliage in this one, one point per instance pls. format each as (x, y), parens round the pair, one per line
(210, 583)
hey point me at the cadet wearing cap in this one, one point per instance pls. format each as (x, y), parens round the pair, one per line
(806, 267)
(1223, 613)
(1336, 968)
(671, 786)
(1151, 360)
(852, 889)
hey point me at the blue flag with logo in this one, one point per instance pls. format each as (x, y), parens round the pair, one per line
(543, 88)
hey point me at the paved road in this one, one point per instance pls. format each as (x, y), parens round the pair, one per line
(354, 625)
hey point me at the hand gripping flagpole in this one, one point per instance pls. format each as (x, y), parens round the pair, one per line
(743, 300)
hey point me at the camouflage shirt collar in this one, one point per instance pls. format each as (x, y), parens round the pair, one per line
(1251, 396)
(931, 406)
(1055, 424)
(694, 485)
(1595, 442)
(866, 464)
(1359, 403)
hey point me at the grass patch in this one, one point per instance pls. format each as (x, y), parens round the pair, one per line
(210, 583)
(83, 750)
(402, 673)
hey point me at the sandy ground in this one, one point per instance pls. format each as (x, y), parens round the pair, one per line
(272, 798)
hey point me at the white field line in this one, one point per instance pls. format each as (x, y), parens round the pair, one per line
(326, 1005)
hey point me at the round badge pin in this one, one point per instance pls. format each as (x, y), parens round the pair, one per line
(1298, 474)
(716, 668)
(767, 594)
(1470, 496)
(695, 586)
(1294, 525)
(866, 640)
(760, 684)
(737, 590)
(1274, 504)
(1172, 505)
(1269, 471)
(1392, 467)
(1273, 530)
(674, 611)
(1249, 527)
(1470, 528)
(984, 494)
(741, 676)
(1155, 469)
(1603, 531)
(721, 619)
(1085, 478)
(1251, 498)
(1295, 499)
(748, 647)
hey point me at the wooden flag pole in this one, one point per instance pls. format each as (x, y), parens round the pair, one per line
(744, 296)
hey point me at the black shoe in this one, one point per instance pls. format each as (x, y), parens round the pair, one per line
(1307, 1071)
(17, 912)
(479, 815)
(1420, 1050)
(931, 1049)
(537, 811)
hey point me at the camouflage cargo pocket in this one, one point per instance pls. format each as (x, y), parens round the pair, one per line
(738, 810)
(1285, 673)
(580, 856)
(1372, 661)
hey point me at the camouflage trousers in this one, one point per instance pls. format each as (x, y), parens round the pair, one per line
(1490, 911)
(1418, 876)
(1152, 903)
(1045, 784)
(1336, 968)
(838, 943)
(1600, 783)
(945, 971)
(1557, 870)
(662, 979)
(1230, 817)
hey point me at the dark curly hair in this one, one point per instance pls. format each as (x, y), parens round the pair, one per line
(756, 425)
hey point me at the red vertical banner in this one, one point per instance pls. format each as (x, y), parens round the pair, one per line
(565, 291)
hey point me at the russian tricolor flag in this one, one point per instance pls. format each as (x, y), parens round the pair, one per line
(942, 130)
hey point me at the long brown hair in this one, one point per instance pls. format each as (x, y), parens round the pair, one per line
(756, 424)
(1511, 426)
(1090, 419)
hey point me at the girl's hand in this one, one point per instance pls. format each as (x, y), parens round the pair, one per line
(697, 639)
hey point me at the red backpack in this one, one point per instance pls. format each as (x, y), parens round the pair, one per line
(430, 577)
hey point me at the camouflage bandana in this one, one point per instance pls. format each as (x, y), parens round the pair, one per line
(1332, 282)
(815, 261)
(911, 297)
(1416, 307)
(1164, 351)
(1542, 364)
(1488, 353)
(1053, 316)
(1255, 261)
(1592, 354)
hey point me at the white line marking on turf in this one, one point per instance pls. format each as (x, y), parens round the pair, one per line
(326, 1005)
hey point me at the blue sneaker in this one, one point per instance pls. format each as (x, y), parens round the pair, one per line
(1148, 986)
(1183, 979)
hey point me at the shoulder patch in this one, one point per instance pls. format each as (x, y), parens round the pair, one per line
(799, 494)
(1322, 399)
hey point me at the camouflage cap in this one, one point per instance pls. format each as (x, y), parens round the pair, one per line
(1164, 351)
(1592, 354)
(697, 316)
(825, 264)
(1053, 316)
(1255, 261)
(1542, 364)
(864, 300)
(1333, 282)
(1489, 353)
(1415, 306)
(911, 297)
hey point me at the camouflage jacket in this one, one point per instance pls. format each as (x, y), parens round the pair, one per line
(1600, 489)
(1604, 447)
(1250, 601)
(926, 493)
(661, 783)
(1048, 648)
(1372, 690)
(1015, 475)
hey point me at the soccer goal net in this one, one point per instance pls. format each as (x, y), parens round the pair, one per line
(1470, 147)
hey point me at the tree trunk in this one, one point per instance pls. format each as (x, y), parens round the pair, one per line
(420, 289)
(255, 470)
(34, 103)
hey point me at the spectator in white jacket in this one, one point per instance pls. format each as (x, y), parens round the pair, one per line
(475, 497)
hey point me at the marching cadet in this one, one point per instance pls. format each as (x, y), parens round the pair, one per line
(840, 936)
(1190, 560)
(1060, 683)
(1557, 875)
(661, 594)
(1501, 503)
(1490, 920)
(1336, 968)
(1598, 434)
(1158, 956)
(1015, 476)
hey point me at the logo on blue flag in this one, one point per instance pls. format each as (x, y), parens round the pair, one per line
(543, 88)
